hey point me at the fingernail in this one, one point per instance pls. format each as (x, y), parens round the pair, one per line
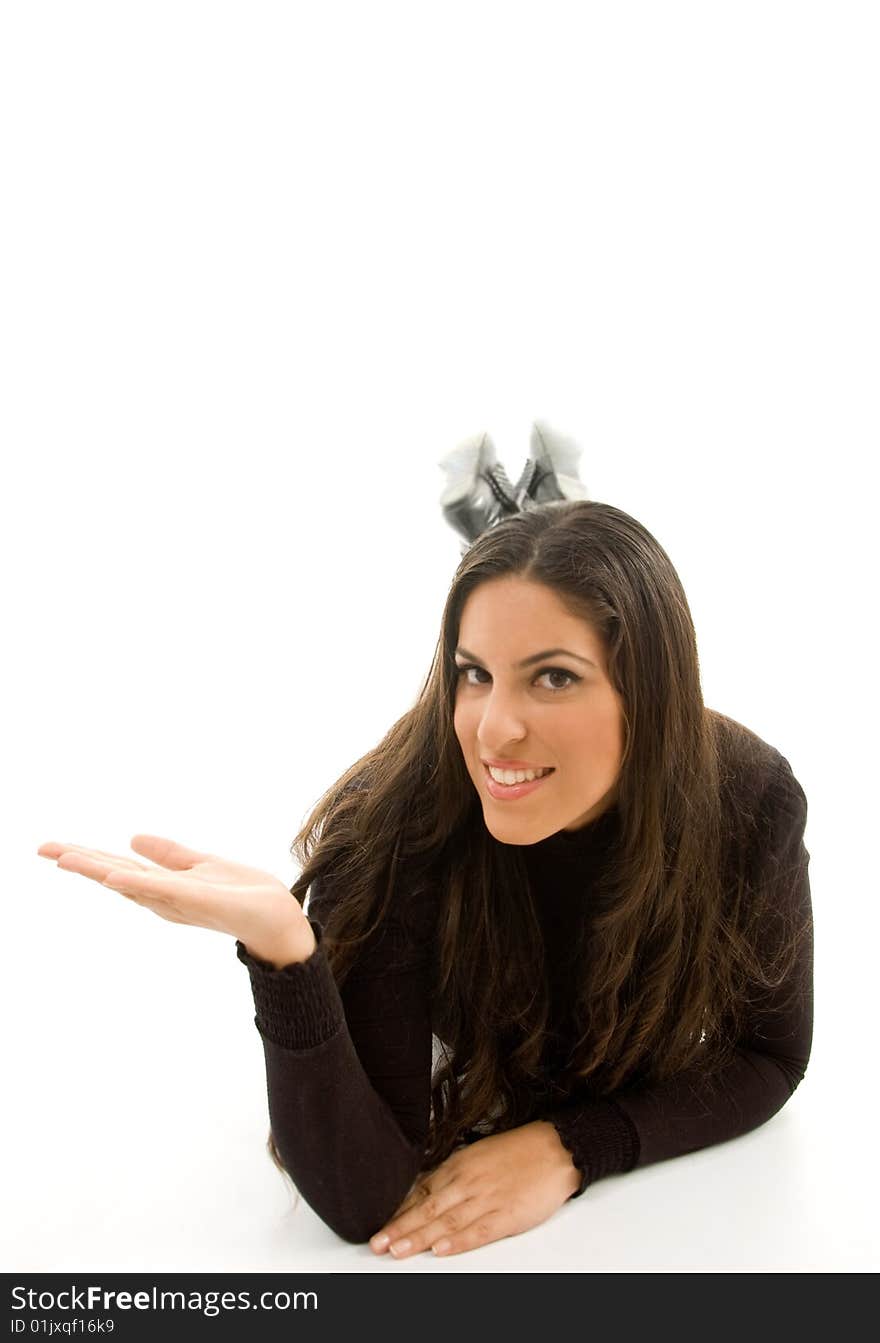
(401, 1247)
(379, 1242)
(441, 1247)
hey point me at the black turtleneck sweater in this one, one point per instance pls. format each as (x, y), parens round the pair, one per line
(349, 1072)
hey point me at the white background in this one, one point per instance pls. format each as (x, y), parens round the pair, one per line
(262, 265)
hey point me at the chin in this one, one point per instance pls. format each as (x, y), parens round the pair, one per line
(515, 831)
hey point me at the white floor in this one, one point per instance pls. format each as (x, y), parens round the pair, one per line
(136, 1129)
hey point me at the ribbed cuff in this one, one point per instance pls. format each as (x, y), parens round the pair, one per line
(602, 1139)
(298, 1006)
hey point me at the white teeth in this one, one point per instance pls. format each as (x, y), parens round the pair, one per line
(516, 775)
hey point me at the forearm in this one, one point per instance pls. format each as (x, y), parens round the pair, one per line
(636, 1127)
(336, 1136)
(335, 1131)
(691, 1112)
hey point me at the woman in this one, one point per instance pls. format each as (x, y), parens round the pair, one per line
(587, 889)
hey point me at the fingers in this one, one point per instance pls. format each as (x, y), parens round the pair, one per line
(445, 1214)
(482, 1231)
(179, 895)
(52, 849)
(167, 852)
(463, 1226)
(143, 884)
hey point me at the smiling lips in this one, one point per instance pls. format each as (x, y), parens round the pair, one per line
(510, 792)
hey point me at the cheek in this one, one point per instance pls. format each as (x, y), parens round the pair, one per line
(594, 742)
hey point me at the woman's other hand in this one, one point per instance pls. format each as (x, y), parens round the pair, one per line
(199, 889)
(498, 1186)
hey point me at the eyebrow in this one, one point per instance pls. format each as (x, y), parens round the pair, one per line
(535, 657)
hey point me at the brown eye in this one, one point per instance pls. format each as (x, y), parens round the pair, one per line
(462, 670)
(570, 677)
(559, 671)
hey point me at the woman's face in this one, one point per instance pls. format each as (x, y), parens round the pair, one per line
(560, 711)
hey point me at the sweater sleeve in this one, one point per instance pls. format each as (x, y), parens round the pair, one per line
(640, 1125)
(348, 1072)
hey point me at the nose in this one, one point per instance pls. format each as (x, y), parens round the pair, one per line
(501, 724)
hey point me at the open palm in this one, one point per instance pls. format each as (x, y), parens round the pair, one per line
(186, 886)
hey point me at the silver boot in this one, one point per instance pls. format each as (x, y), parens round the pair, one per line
(479, 494)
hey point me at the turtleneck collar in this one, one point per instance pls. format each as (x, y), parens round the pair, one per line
(577, 845)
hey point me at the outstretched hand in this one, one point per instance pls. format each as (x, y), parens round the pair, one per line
(190, 887)
(498, 1186)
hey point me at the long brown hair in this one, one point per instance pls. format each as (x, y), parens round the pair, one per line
(671, 958)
